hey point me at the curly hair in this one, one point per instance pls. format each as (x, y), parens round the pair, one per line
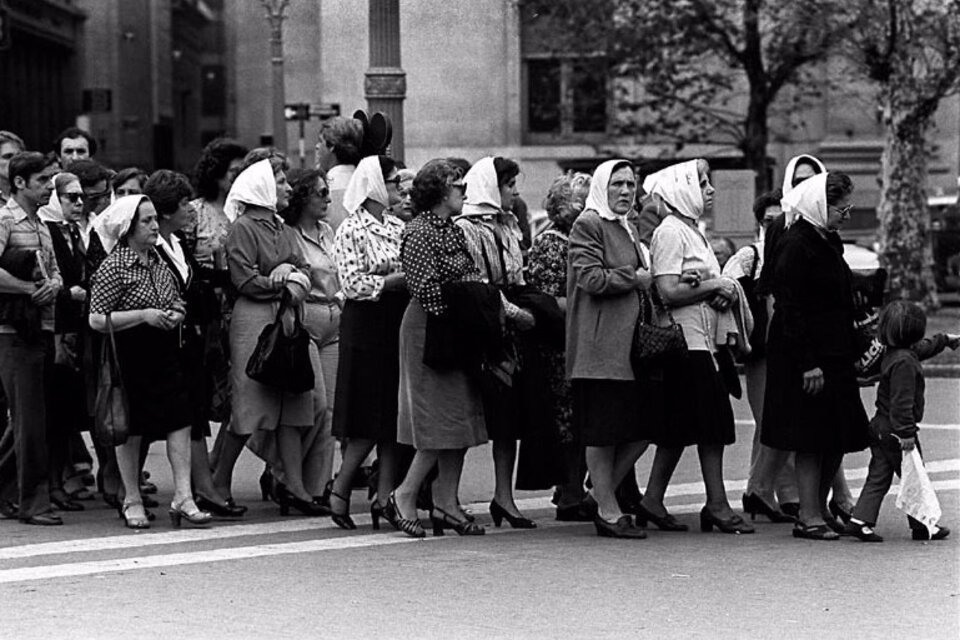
(303, 183)
(129, 173)
(564, 192)
(432, 183)
(839, 186)
(344, 136)
(278, 160)
(764, 201)
(213, 165)
(166, 189)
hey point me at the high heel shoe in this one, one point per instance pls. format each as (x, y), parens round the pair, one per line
(287, 500)
(266, 485)
(342, 520)
(754, 504)
(465, 527)
(838, 511)
(182, 511)
(412, 528)
(665, 523)
(225, 510)
(734, 524)
(384, 511)
(134, 521)
(499, 514)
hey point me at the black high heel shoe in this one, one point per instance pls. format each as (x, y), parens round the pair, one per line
(499, 514)
(735, 524)
(462, 527)
(754, 504)
(267, 488)
(412, 528)
(838, 511)
(342, 520)
(287, 500)
(665, 523)
(225, 510)
(384, 511)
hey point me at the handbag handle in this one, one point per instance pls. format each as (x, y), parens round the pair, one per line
(114, 358)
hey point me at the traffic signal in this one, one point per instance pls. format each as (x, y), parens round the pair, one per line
(297, 111)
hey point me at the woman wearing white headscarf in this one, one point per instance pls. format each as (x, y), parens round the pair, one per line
(367, 250)
(266, 266)
(697, 403)
(493, 239)
(607, 283)
(135, 292)
(812, 404)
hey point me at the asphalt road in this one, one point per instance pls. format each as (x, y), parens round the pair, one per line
(295, 577)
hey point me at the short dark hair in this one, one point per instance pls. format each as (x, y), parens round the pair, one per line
(90, 172)
(344, 136)
(902, 324)
(432, 183)
(278, 159)
(213, 165)
(387, 165)
(460, 163)
(128, 174)
(839, 186)
(303, 182)
(75, 132)
(11, 137)
(764, 201)
(26, 164)
(506, 170)
(166, 189)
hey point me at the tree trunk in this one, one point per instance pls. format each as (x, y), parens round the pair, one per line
(904, 220)
(754, 145)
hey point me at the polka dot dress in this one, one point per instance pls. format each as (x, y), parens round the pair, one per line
(434, 252)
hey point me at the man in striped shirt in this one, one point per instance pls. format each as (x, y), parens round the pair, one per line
(24, 359)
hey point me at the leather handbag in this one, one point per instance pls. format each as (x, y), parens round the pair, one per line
(111, 408)
(652, 342)
(282, 361)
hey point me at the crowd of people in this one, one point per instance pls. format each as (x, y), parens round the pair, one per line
(434, 323)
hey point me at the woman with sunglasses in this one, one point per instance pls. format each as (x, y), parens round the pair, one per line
(367, 249)
(812, 403)
(305, 215)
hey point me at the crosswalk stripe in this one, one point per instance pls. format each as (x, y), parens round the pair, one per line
(923, 426)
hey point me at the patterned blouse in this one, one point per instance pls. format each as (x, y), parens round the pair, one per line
(547, 268)
(434, 252)
(209, 234)
(490, 237)
(367, 250)
(124, 283)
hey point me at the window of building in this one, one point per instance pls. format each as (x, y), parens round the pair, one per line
(214, 90)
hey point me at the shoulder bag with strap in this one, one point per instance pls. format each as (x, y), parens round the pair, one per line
(111, 408)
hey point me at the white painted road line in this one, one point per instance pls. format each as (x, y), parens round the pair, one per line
(923, 426)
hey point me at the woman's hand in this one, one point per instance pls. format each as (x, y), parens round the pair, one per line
(176, 316)
(395, 282)
(691, 277)
(77, 294)
(297, 293)
(644, 279)
(158, 319)
(813, 381)
(908, 444)
(524, 321)
(278, 277)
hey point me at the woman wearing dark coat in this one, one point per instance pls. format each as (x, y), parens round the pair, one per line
(812, 403)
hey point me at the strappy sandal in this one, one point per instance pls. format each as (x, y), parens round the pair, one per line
(133, 521)
(462, 527)
(814, 532)
(412, 528)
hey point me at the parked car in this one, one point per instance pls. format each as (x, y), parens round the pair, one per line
(945, 241)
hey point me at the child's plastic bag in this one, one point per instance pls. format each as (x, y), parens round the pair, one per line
(917, 497)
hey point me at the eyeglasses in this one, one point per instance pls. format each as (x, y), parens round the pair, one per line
(458, 185)
(323, 193)
(75, 198)
(845, 211)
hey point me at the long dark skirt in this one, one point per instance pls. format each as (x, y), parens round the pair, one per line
(608, 412)
(368, 377)
(696, 403)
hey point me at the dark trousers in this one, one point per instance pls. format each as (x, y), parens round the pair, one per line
(25, 372)
(885, 459)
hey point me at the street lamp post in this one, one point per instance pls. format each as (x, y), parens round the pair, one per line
(385, 85)
(275, 17)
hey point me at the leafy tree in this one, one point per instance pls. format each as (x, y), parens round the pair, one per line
(710, 70)
(911, 49)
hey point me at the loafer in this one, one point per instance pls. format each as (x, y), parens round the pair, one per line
(622, 528)
(861, 532)
(923, 534)
(43, 520)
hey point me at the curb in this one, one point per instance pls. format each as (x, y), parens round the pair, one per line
(941, 370)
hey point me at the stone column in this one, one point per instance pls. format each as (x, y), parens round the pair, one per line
(385, 85)
(275, 17)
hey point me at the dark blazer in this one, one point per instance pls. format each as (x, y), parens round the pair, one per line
(70, 317)
(469, 333)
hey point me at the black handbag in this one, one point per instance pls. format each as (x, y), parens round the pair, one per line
(282, 361)
(652, 342)
(111, 426)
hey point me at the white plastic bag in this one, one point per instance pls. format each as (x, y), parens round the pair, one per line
(917, 497)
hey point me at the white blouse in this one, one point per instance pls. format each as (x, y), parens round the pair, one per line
(367, 250)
